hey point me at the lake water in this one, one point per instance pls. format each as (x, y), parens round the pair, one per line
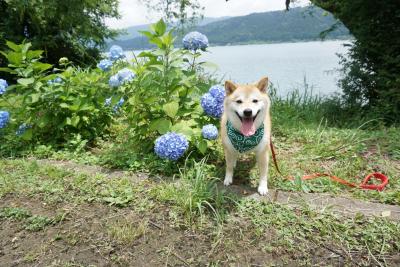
(287, 65)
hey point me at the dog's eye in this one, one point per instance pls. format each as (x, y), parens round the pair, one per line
(239, 101)
(255, 101)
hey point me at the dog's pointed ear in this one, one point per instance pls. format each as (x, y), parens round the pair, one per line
(230, 87)
(262, 84)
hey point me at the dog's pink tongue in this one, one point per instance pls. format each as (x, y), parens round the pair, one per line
(247, 128)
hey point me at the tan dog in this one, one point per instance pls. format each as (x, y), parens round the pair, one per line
(246, 127)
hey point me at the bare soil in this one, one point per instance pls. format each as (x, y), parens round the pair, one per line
(83, 237)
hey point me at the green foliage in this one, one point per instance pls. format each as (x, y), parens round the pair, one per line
(55, 111)
(166, 94)
(372, 83)
(73, 29)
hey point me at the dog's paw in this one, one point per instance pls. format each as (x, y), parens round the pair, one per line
(228, 181)
(263, 189)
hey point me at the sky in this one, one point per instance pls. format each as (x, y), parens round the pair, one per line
(134, 13)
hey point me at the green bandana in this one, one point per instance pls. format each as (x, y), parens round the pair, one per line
(244, 143)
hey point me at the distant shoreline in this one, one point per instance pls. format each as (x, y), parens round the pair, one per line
(259, 43)
(283, 42)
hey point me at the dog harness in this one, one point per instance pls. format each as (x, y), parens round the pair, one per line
(244, 143)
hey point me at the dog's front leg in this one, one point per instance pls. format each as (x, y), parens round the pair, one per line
(262, 160)
(230, 158)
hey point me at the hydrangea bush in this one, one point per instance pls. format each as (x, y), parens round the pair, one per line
(167, 96)
(158, 96)
(55, 106)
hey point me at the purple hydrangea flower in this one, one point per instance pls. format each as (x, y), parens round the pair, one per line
(209, 132)
(116, 52)
(3, 86)
(194, 41)
(171, 146)
(105, 64)
(4, 118)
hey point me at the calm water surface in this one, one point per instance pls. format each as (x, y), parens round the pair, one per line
(286, 64)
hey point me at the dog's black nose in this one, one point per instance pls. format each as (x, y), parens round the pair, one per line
(247, 112)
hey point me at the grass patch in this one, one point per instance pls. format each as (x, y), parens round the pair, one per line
(32, 223)
(126, 232)
(304, 230)
(195, 193)
(56, 185)
(13, 213)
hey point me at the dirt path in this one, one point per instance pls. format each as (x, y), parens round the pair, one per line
(318, 201)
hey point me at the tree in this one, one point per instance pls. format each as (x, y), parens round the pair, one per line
(182, 13)
(372, 68)
(71, 28)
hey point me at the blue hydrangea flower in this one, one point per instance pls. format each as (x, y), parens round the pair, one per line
(194, 41)
(171, 146)
(126, 75)
(210, 106)
(116, 52)
(122, 76)
(105, 64)
(114, 81)
(213, 101)
(107, 102)
(218, 92)
(3, 86)
(119, 104)
(22, 128)
(209, 132)
(4, 118)
(55, 81)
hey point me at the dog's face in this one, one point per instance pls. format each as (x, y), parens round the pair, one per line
(246, 105)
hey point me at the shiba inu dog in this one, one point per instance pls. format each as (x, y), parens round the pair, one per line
(246, 127)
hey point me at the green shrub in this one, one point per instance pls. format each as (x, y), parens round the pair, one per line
(166, 94)
(54, 107)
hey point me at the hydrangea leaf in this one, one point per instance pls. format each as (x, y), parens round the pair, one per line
(171, 109)
(161, 125)
(25, 81)
(184, 128)
(202, 146)
(34, 98)
(27, 135)
(160, 27)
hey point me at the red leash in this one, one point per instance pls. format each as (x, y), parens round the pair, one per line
(364, 184)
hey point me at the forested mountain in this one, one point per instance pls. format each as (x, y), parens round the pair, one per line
(299, 24)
